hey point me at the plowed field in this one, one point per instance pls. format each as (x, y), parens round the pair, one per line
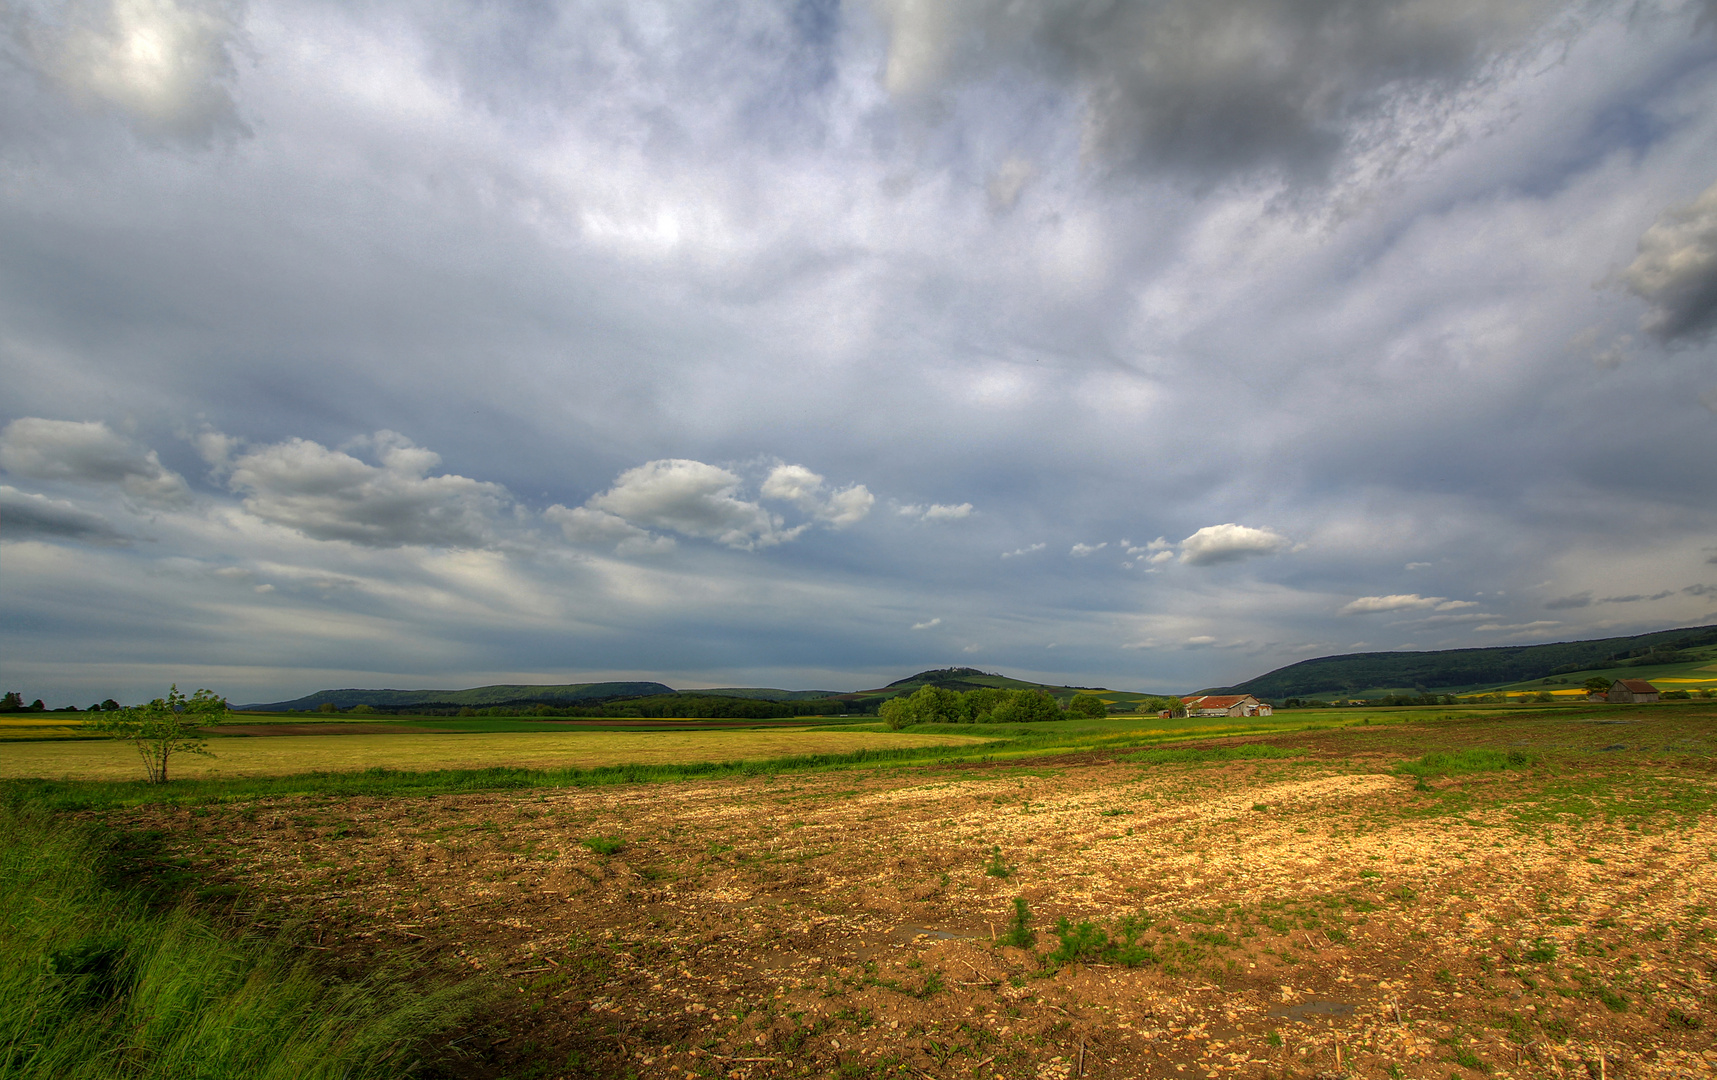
(1311, 914)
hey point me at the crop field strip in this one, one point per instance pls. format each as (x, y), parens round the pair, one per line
(1535, 901)
(277, 755)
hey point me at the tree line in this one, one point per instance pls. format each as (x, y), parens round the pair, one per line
(13, 702)
(992, 705)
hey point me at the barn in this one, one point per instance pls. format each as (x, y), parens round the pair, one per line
(1632, 691)
(1226, 705)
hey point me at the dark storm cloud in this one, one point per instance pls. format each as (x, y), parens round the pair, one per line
(1215, 87)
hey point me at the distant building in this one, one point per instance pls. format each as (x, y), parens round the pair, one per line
(1226, 705)
(1634, 691)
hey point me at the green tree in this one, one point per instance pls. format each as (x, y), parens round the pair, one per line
(936, 705)
(1026, 707)
(1597, 684)
(12, 702)
(982, 703)
(1088, 705)
(327, 706)
(164, 727)
(896, 713)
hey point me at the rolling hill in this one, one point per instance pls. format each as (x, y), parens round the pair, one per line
(503, 694)
(1466, 670)
(594, 693)
(966, 678)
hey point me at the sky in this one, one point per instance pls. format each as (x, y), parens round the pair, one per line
(812, 344)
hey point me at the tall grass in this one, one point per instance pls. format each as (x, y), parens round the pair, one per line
(96, 982)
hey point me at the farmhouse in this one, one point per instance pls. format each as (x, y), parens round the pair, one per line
(1636, 691)
(1226, 705)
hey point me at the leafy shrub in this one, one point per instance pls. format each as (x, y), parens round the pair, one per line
(1088, 705)
(604, 845)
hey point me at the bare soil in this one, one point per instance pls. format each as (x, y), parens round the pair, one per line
(1312, 916)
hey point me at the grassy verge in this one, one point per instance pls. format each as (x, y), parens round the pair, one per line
(98, 981)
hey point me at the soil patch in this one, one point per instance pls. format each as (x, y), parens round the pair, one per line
(1310, 916)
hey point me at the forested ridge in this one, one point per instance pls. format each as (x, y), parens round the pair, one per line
(1463, 669)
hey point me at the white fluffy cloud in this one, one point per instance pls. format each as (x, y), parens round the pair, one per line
(1676, 271)
(807, 490)
(692, 499)
(332, 495)
(89, 452)
(1229, 543)
(935, 511)
(1375, 605)
(699, 500)
(25, 514)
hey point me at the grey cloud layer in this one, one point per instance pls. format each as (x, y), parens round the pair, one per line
(87, 451)
(166, 67)
(1019, 286)
(26, 514)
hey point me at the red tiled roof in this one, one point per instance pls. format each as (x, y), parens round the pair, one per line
(1217, 701)
(1638, 686)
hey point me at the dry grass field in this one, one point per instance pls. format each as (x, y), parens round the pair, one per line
(1316, 914)
(277, 755)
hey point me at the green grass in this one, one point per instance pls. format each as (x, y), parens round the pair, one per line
(1187, 754)
(1460, 762)
(604, 845)
(99, 980)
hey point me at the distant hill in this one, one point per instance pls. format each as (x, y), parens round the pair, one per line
(590, 693)
(966, 678)
(764, 693)
(503, 694)
(1462, 670)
